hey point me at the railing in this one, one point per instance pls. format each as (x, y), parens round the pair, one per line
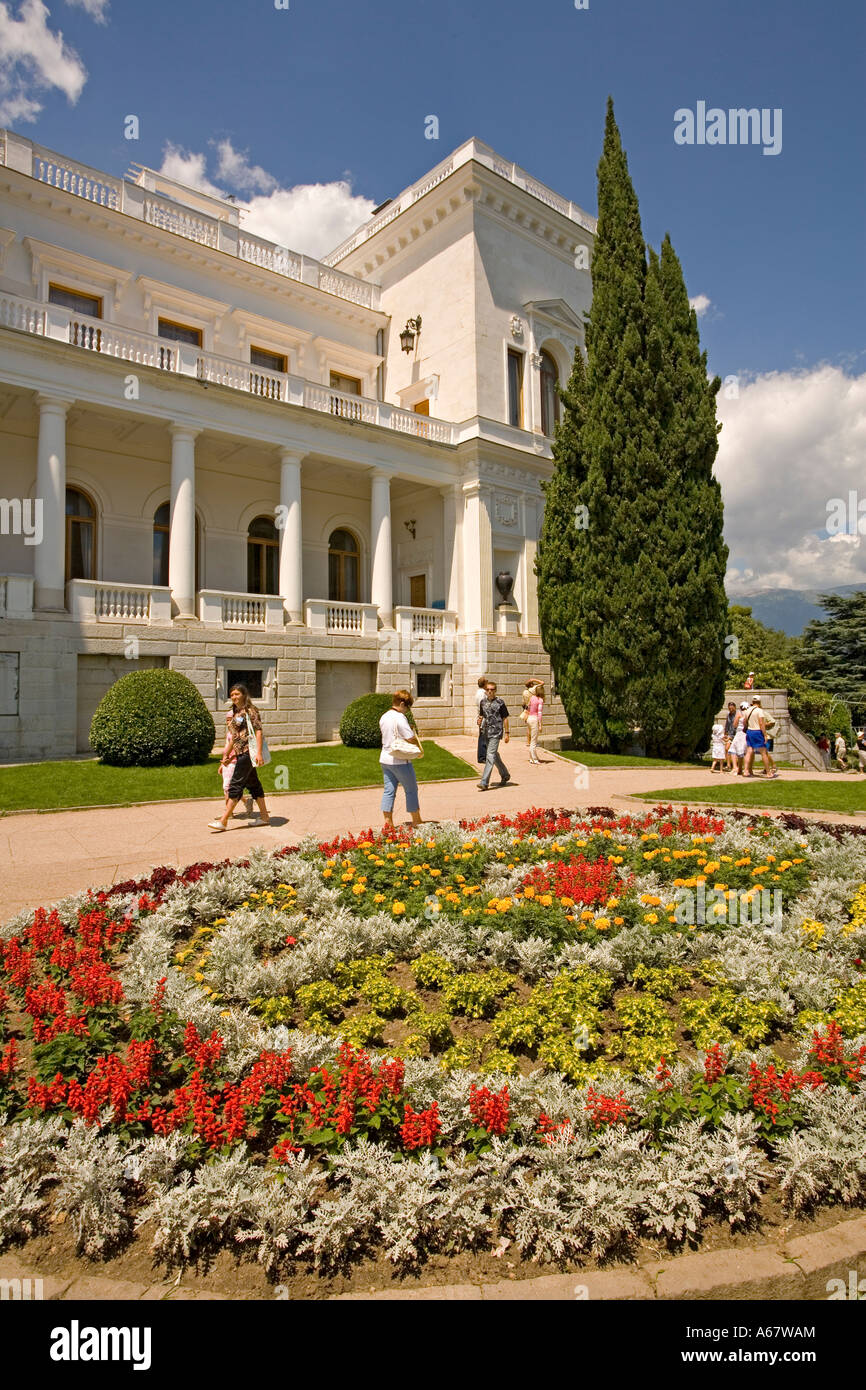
(139, 198)
(161, 212)
(342, 619)
(112, 340)
(91, 600)
(16, 596)
(230, 610)
(482, 154)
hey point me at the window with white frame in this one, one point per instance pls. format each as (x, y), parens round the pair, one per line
(432, 683)
(258, 674)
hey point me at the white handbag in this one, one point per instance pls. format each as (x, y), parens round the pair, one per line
(266, 752)
(404, 749)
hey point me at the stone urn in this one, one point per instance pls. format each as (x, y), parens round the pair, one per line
(505, 585)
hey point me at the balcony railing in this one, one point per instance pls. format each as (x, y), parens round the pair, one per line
(342, 619)
(91, 600)
(16, 596)
(111, 340)
(429, 623)
(138, 199)
(229, 610)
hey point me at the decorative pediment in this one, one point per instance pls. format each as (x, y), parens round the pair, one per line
(557, 313)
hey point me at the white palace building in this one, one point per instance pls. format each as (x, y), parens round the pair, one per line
(319, 477)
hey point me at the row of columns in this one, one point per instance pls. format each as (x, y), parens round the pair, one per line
(467, 523)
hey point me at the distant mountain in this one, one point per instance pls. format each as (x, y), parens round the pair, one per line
(789, 610)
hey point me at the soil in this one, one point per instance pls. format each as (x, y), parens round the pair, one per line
(53, 1254)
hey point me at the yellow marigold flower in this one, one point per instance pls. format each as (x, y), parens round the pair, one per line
(546, 900)
(435, 873)
(761, 869)
(566, 901)
(618, 921)
(378, 897)
(503, 904)
(398, 908)
(529, 891)
(452, 897)
(326, 873)
(602, 923)
(358, 889)
(651, 917)
(587, 915)
(198, 977)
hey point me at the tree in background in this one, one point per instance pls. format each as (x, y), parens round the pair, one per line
(832, 652)
(634, 609)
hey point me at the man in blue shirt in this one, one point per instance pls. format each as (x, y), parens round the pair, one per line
(493, 721)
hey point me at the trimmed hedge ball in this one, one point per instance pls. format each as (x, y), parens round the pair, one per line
(152, 719)
(359, 726)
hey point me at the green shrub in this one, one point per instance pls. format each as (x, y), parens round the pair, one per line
(359, 727)
(152, 719)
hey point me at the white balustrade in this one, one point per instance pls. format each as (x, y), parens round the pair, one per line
(24, 314)
(269, 256)
(227, 371)
(342, 619)
(216, 608)
(161, 212)
(91, 600)
(428, 624)
(76, 178)
(16, 596)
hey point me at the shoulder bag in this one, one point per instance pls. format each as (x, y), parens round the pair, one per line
(266, 752)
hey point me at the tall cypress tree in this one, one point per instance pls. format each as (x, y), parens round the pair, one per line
(639, 615)
(554, 562)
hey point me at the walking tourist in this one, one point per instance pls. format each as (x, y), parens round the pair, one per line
(227, 772)
(841, 751)
(861, 749)
(750, 681)
(730, 726)
(756, 739)
(824, 750)
(398, 741)
(481, 694)
(717, 747)
(528, 688)
(493, 722)
(738, 742)
(244, 746)
(534, 712)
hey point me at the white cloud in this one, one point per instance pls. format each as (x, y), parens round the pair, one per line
(239, 173)
(33, 59)
(311, 218)
(700, 303)
(189, 169)
(95, 8)
(791, 443)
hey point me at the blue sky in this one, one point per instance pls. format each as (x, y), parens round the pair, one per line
(330, 90)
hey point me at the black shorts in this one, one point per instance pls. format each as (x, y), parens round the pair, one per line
(245, 775)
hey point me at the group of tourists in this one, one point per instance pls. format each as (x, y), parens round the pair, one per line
(840, 750)
(493, 727)
(745, 732)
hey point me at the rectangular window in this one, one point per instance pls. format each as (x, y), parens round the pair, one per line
(89, 304)
(271, 361)
(252, 679)
(179, 332)
(9, 662)
(429, 685)
(350, 385)
(421, 407)
(515, 388)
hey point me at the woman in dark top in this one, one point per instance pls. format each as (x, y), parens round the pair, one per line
(243, 720)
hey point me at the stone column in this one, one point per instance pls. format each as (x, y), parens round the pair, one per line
(381, 583)
(531, 508)
(291, 541)
(49, 560)
(477, 559)
(181, 538)
(452, 518)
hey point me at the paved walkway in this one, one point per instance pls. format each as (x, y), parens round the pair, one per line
(45, 856)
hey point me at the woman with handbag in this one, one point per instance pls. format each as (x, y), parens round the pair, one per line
(400, 746)
(246, 744)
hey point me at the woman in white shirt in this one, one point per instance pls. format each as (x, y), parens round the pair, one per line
(397, 770)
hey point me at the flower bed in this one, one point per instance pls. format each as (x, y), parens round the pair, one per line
(568, 1032)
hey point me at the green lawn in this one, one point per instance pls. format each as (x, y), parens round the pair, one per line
(617, 760)
(782, 795)
(55, 786)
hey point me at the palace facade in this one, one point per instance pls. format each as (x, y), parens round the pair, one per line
(320, 477)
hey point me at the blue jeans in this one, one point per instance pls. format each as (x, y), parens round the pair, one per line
(399, 774)
(494, 760)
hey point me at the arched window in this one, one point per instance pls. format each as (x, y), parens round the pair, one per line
(80, 535)
(263, 557)
(549, 398)
(161, 532)
(344, 568)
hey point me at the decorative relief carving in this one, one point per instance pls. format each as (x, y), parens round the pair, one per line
(516, 326)
(505, 510)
